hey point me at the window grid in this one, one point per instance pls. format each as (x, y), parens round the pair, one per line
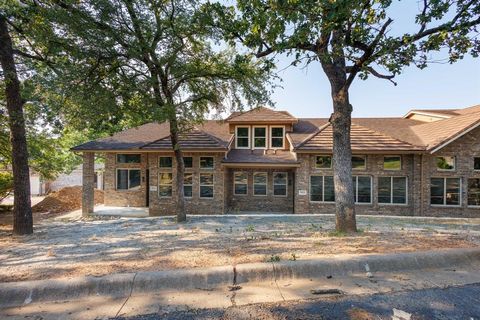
(275, 184)
(165, 184)
(323, 162)
(276, 137)
(206, 163)
(356, 189)
(188, 185)
(445, 192)
(260, 184)
(392, 193)
(323, 186)
(240, 179)
(128, 177)
(260, 137)
(206, 184)
(243, 138)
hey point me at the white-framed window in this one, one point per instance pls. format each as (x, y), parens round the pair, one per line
(322, 189)
(242, 137)
(362, 189)
(240, 183)
(277, 137)
(128, 158)
(392, 190)
(445, 191)
(165, 184)
(445, 163)
(392, 163)
(474, 192)
(323, 162)
(206, 185)
(280, 181)
(476, 163)
(165, 162)
(259, 137)
(260, 183)
(128, 179)
(359, 162)
(188, 185)
(207, 162)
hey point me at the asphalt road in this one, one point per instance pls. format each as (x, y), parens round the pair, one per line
(451, 303)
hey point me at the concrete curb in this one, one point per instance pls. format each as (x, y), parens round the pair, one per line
(121, 285)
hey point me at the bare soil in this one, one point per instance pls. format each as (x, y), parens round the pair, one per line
(100, 246)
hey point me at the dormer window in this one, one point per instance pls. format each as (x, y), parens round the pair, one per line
(277, 137)
(259, 137)
(243, 137)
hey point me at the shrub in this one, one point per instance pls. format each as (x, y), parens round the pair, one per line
(6, 184)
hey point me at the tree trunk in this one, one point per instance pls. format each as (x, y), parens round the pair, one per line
(333, 64)
(342, 163)
(180, 199)
(22, 211)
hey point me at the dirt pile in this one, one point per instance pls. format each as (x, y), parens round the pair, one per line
(65, 200)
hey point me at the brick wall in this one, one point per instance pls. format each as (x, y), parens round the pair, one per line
(374, 168)
(464, 150)
(123, 198)
(195, 205)
(268, 203)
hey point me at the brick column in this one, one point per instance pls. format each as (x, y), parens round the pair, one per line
(88, 182)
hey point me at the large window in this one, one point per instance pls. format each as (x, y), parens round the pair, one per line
(188, 162)
(260, 137)
(362, 188)
(359, 162)
(165, 162)
(445, 163)
(260, 184)
(276, 137)
(128, 179)
(207, 162)
(323, 162)
(322, 189)
(240, 183)
(243, 137)
(474, 192)
(206, 185)
(128, 158)
(280, 180)
(476, 163)
(392, 163)
(445, 191)
(392, 190)
(188, 185)
(165, 182)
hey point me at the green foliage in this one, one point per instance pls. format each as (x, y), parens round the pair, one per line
(6, 184)
(360, 33)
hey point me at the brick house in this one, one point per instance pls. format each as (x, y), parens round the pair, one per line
(426, 163)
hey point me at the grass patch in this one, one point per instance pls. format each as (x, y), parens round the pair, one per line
(336, 233)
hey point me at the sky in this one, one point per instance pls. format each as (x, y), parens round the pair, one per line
(306, 92)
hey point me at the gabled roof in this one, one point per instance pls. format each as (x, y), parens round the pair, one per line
(155, 136)
(439, 133)
(261, 115)
(362, 139)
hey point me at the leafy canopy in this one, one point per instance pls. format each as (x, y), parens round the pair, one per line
(360, 32)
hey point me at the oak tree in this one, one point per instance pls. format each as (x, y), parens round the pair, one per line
(349, 39)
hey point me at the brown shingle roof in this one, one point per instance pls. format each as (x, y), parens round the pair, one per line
(362, 139)
(434, 134)
(258, 156)
(368, 134)
(261, 115)
(193, 140)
